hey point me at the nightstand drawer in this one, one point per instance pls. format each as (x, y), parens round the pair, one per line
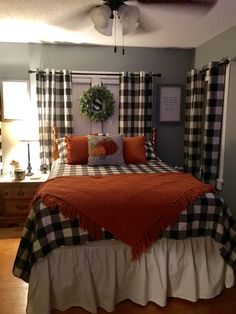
(18, 193)
(17, 208)
(16, 198)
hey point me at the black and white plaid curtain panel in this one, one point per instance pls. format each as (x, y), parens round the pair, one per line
(54, 102)
(203, 121)
(193, 122)
(135, 108)
(213, 122)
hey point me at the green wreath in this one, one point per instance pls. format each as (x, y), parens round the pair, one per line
(97, 103)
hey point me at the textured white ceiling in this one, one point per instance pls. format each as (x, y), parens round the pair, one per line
(66, 21)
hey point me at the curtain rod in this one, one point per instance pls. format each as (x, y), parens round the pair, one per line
(226, 61)
(94, 73)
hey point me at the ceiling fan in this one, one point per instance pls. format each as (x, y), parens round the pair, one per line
(105, 15)
(128, 12)
(81, 16)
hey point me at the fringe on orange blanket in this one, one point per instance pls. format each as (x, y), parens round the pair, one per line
(71, 212)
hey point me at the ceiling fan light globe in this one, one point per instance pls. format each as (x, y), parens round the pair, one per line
(128, 11)
(129, 16)
(107, 31)
(100, 16)
(129, 29)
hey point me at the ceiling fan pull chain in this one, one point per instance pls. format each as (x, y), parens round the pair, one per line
(115, 48)
(123, 41)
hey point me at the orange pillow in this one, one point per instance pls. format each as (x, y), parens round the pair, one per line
(134, 150)
(77, 149)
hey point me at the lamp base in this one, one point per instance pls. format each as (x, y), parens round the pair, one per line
(29, 174)
(29, 168)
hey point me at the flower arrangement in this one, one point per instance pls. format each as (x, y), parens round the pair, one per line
(17, 172)
(15, 164)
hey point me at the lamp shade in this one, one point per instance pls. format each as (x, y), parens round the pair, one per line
(100, 16)
(27, 131)
(129, 16)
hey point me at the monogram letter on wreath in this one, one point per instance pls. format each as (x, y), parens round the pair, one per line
(97, 103)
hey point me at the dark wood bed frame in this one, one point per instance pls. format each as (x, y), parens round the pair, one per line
(55, 148)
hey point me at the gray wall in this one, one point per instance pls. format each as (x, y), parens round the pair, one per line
(224, 45)
(17, 59)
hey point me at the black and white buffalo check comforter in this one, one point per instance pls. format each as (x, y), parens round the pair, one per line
(47, 229)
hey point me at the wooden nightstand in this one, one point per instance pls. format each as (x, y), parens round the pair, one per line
(15, 199)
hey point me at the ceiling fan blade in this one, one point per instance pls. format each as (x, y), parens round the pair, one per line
(75, 20)
(200, 7)
(193, 2)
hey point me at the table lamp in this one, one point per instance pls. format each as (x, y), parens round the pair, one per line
(28, 135)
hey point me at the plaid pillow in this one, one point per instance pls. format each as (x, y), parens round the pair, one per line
(105, 150)
(62, 149)
(150, 152)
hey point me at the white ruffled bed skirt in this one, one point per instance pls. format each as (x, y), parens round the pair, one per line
(101, 274)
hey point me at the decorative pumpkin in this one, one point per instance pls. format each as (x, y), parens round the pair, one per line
(98, 151)
(109, 146)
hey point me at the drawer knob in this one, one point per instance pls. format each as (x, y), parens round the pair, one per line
(21, 206)
(6, 195)
(20, 193)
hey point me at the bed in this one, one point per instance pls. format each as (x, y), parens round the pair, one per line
(66, 266)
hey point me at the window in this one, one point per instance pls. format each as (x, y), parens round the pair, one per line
(15, 99)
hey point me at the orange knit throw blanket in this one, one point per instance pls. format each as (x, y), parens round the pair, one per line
(135, 208)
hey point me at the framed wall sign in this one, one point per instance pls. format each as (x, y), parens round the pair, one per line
(170, 99)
